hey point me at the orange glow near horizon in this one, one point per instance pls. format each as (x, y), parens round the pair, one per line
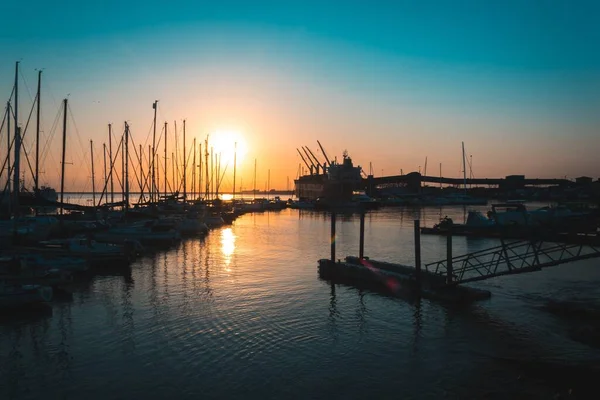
(228, 145)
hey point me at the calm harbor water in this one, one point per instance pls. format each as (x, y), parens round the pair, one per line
(242, 313)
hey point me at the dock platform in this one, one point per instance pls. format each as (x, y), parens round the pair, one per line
(398, 280)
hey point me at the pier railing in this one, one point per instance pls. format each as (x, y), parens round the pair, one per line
(511, 258)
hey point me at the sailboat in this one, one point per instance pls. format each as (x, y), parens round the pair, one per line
(463, 198)
(39, 197)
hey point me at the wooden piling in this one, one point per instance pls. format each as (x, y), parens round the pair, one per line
(361, 247)
(449, 270)
(333, 236)
(418, 253)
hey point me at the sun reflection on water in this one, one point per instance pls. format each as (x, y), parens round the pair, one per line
(227, 245)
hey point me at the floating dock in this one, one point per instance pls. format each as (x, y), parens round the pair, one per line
(397, 279)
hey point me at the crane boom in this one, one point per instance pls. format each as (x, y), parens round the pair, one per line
(315, 158)
(316, 166)
(305, 163)
(308, 156)
(324, 154)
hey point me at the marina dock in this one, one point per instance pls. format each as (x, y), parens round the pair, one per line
(443, 281)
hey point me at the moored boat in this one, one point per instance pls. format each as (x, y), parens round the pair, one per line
(14, 296)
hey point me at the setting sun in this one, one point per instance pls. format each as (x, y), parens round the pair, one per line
(227, 144)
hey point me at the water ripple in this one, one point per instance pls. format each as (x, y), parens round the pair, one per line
(242, 313)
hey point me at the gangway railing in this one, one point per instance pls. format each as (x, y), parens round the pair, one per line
(511, 258)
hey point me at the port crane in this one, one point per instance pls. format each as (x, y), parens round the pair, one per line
(310, 167)
(324, 154)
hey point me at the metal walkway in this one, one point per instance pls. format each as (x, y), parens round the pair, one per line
(511, 258)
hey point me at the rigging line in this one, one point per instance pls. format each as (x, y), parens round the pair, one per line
(133, 162)
(47, 85)
(23, 138)
(115, 171)
(140, 179)
(146, 179)
(28, 163)
(148, 135)
(223, 176)
(136, 175)
(187, 164)
(55, 163)
(81, 147)
(112, 164)
(162, 169)
(46, 147)
(25, 83)
(3, 120)
(177, 155)
(4, 192)
(11, 94)
(156, 151)
(5, 162)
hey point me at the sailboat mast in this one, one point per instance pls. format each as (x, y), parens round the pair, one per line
(110, 156)
(464, 168)
(218, 175)
(175, 161)
(166, 163)
(212, 171)
(93, 183)
(62, 167)
(149, 173)
(152, 191)
(37, 132)
(123, 167)
(440, 175)
(199, 168)
(268, 183)
(470, 168)
(105, 174)
(184, 165)
(254, 190)
(141, 173)
(173, 171)
(234, 166)
(207, 183)
(194, 171)
(8, 185)
(17, 144)
(126, 165)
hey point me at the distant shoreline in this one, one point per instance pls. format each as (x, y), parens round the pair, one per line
(118, 193)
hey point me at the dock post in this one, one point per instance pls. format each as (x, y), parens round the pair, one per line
(361, 247)
(418, 253)
(449, 270)
(333, 236)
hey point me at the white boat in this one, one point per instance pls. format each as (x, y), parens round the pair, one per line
(361, 199)
(256, 205)
(89, 249)
(302, 204)
(191, 225)
(147, 233)
(275, 204)
(550, 217)
(214, 221)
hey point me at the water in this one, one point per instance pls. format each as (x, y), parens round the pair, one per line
(243, 314)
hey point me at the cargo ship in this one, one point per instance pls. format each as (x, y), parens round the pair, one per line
(331, 182)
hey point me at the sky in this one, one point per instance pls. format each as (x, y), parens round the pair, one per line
(395, 83)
